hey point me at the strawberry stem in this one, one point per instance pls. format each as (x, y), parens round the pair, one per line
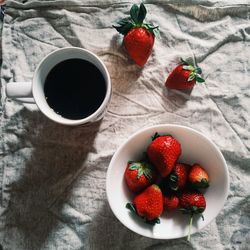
(190, 227)
(156, 135)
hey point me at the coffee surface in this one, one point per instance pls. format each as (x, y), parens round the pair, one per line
(75, 88)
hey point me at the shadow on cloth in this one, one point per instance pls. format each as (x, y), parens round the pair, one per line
(57, 157)
(117, 236)
(179, 97)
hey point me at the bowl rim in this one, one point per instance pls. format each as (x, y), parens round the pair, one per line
(140, 131)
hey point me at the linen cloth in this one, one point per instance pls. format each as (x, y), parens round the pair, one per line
(52, 177)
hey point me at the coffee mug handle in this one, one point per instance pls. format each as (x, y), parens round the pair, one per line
(20, 91)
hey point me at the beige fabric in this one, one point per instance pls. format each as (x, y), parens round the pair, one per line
(52, 177)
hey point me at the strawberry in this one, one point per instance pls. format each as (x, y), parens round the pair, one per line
(192, 202)
(138, 36)
(178, 177)
(184, 76)
(163, 152)
(170, 202)
(139, 175)
(198, 176)
(148, 204)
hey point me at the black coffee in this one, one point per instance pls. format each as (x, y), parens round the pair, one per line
(75, 88)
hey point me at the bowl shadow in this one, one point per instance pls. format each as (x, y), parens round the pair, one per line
(107, 232)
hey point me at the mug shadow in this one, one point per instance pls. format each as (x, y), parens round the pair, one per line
(58, 155)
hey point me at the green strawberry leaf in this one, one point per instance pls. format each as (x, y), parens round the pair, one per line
(134, 11)
(153, 222)
(140, 173)
(201, 210)
(153, 29)
(142, 14)
(156, 31)
(150, 26)
(191, 77)
(134, 166)
(131, 207)
(174, 188)
(148, 172)
(156, 135)
(184, 210)
(188, 67)
(199, 79)
(142, 167)
(125, 28)
(198, 70)
(173, 177)
(137, 16)
(204, 183)
(124, 21)
(130, 162)
(194, 209)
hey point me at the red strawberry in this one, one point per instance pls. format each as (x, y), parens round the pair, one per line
(138, 36)
(198, 176)
(184, 76)
(178, 177)
(163, 152)
(170, 202)
(148, 204)
(192, 202)
(139, 44)
(139, 175)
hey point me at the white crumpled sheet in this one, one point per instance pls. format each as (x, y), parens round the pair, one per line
(52, 177)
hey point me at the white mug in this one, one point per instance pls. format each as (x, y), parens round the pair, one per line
(33, 92)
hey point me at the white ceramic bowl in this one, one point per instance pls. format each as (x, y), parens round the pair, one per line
(195, 148)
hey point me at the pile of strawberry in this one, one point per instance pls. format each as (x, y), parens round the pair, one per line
(161, 183)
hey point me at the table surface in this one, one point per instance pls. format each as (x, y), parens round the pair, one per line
(52, 177)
